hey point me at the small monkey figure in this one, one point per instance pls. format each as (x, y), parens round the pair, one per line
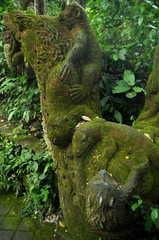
(85, 55)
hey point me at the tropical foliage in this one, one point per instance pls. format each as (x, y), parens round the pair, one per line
(149, 214)
(128, 35)
(29, 174)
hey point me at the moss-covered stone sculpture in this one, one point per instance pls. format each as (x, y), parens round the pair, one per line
(99, 165)
(148, 120)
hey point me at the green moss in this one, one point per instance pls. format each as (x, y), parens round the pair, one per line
(152, 86)
(10, 223)
(43, 235)
(7, 200)
(148, 120)
(126, 146)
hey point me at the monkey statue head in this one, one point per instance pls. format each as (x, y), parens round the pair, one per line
(74, 15)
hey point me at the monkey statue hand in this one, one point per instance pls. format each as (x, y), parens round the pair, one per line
(78, 93)
(66, 71)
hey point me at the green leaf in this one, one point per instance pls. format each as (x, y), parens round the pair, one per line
(123, 51)
(35, 166)
(36, 157)
(137, 65)
(6, 82)
(131, 95)
(26, 115)
(27, 155)
(142, 8)
(118, 116)
(122, 54)
(140, 20)
(31, 188)
(120, 89)
(136, 196)
(7, 87)
(11, 114)
(139, 202)
(148, 225)
(22, 78)
(130, 45)
(42, 176)
(151, 26)
(104, 5)
(44, 195)
(122, 83)
(101, 85)
(138, 89)
(34, 91)
(104, 101)
(46, 168)
(105, 107)
(129, 77)
(23, 100)
(134, 206)
(122, 57)
(155, 216)
(115, 57)
(111, 109)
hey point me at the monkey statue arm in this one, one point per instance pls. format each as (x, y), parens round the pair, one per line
(75, 54)
(84, 91)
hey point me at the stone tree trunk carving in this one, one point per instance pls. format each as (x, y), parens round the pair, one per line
(100, 165)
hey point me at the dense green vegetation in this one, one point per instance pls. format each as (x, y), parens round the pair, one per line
(149, 217)
(128, 35)
(29, 174)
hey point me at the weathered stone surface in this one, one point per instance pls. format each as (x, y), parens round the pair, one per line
(6, 235)
(12, 226)
(10, 223)
(148, 120)
(23, 236)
